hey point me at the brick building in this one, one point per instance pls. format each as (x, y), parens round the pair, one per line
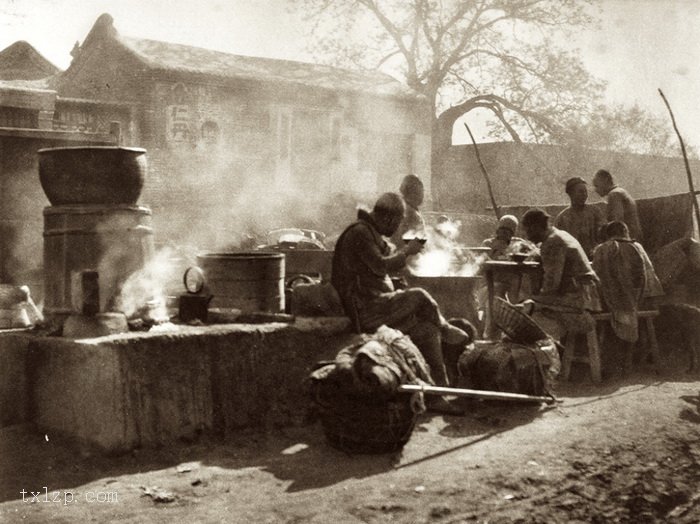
(236, 142)
(33, 116)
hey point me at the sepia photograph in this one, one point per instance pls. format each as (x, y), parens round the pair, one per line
(350, 261)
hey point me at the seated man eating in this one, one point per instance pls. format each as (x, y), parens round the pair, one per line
(362, 263)
(568, 293)
(627, 278)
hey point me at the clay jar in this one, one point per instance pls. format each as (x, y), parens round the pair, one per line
(92, 175)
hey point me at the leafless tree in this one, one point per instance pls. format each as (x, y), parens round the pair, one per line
(498, 55)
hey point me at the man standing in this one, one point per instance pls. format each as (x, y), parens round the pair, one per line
(413, 193)
(582, 220)
(568, 291)
(621, 205)
(362, 263)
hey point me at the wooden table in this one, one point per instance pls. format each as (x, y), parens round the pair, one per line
(507, 267)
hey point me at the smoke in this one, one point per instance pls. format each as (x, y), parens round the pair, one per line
(147, 288)
(212, 200)
(22, 203)
(442, 256)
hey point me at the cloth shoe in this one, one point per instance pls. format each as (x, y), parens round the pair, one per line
(443, 406)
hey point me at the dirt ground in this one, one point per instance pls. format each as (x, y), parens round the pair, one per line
(624, 451)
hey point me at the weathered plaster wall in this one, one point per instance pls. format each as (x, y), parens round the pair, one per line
(534, 175)
(137, 390)
(13, 377)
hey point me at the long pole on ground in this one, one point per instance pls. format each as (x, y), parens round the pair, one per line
(474, 393)
(485, 173)
(693, 193)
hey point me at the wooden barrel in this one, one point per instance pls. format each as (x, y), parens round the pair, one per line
(115, 241)
(249, 281)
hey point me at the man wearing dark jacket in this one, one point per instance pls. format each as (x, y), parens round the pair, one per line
(362, 263)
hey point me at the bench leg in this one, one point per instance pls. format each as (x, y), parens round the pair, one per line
(629, 356)
(594, 355)
(568, 356)
(653, 344)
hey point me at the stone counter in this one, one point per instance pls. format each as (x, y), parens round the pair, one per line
(13, 378)
(143, 389)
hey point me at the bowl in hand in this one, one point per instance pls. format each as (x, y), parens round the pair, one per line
(421, 240)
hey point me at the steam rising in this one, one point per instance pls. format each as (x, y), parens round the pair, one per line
(147, 287)
(442, 256)
(225, 201)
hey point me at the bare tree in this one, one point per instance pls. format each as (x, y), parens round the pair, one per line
(497, 55)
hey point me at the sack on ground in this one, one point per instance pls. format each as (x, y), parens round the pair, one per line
(509, 367)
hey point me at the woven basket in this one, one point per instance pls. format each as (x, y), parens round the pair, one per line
(376, 429)
(360, 423)
(517, 325)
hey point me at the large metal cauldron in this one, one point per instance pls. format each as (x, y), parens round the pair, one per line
(249, 281)
(92, 174)
(455, 295)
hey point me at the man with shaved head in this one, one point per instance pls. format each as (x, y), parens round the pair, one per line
(581, 219)
(362, 263)
(621, 206)
(413, 193)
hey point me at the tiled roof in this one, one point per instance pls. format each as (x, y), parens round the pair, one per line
(195, 60)
(20, 61)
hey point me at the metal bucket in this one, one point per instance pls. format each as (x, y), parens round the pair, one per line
(249, 281)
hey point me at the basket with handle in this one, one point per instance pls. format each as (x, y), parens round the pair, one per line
(517, 325)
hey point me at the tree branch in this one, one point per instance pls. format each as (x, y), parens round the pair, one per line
(395, 34)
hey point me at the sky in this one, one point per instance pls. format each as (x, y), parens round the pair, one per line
(640, 46)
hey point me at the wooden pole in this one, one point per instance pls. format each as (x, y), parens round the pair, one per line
(474, 393)
(485, 173)
(693, 193)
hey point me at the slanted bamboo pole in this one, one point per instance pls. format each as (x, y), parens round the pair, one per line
(691, 186)
(485, 173)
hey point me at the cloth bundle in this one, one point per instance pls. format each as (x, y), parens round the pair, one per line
(356, 395)
(510, 367)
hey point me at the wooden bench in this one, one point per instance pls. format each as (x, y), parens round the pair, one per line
(594, 340)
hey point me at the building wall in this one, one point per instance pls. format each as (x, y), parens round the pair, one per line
(26, 108)
(527, 174)
(22, 203)
(105, 71)
(245, 157)
(228, 157)
(81, 117)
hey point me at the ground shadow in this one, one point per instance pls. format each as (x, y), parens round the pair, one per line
(301, 455)
(482, 420)
(691, 414)
(672, 367)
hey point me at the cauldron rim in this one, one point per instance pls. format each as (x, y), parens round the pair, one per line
(445, 277)
(241, 254)
(92, 148)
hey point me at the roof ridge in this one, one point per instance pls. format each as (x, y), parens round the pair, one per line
(21, 50)
(195, 60)
(126, 38)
